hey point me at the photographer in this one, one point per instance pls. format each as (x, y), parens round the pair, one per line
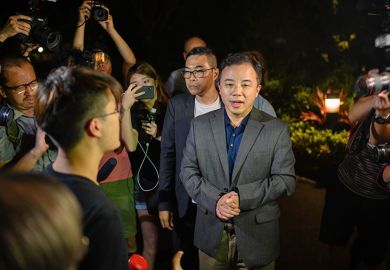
(17, 24)
(355, 200)
(22, 145)
(108, 25)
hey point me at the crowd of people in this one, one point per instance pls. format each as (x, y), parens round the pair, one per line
(202, 155)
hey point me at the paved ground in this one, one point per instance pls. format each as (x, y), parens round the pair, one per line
(300, 219)
(300, 222)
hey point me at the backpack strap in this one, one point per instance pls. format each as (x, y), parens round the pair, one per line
(13, 132)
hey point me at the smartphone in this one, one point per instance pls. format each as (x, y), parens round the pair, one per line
(149, 92)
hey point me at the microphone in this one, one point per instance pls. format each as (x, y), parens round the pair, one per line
(106, 169)
(137, 262)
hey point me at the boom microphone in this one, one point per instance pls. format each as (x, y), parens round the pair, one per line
(106, 169)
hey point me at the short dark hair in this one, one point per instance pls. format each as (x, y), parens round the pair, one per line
(238, 59)
(259, 57)
(68, 98)
(10, 61)
(209, 53)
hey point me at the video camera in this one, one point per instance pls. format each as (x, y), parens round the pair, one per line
(375, 82)
(40, 32)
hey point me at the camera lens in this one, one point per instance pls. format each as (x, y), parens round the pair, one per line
(100, 14)
(53, 39)
(372, 84)
(382, 154)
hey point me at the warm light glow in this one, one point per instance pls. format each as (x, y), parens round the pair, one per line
(332, 105)
(40, 49)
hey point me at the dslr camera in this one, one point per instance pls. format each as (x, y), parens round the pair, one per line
(98, 12)
(40, 32)
(382, 153)
(375, 82)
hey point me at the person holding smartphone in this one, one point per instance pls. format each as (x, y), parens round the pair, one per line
(145, 111)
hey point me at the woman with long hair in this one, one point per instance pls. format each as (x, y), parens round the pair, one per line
(145, 109)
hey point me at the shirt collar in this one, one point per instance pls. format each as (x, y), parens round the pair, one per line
(17, 113)
(243, 122)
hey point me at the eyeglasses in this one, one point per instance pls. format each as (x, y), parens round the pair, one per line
(107, 114)
(198, 73)
(20, 89)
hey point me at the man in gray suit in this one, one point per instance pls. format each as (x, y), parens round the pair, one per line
(237, 163)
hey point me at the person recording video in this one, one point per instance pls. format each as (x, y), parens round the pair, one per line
(145, 111)
(355, 200)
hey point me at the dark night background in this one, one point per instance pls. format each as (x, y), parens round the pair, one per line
(307, 43)
(297, 37)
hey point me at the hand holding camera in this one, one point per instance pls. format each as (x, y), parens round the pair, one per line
(16, 24)
(94, 9)
(105, 21)
(381, 104)
(84, 11)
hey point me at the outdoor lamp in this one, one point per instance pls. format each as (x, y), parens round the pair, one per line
(332, 102)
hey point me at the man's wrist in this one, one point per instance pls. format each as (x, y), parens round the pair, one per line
(36, 153)
(124, 110)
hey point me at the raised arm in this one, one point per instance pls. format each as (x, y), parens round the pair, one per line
(16, 24)
(360, 109)
(127, 54)
(84, 14)
(129, 135)
(380, 128)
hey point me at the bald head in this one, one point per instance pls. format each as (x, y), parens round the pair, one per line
(191, 43)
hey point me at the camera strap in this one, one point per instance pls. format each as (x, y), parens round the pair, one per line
(13, 132)
(360, 134)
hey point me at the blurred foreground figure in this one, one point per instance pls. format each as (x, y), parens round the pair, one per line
(35, 215)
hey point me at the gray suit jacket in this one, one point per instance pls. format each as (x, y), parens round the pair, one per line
(263, 172)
